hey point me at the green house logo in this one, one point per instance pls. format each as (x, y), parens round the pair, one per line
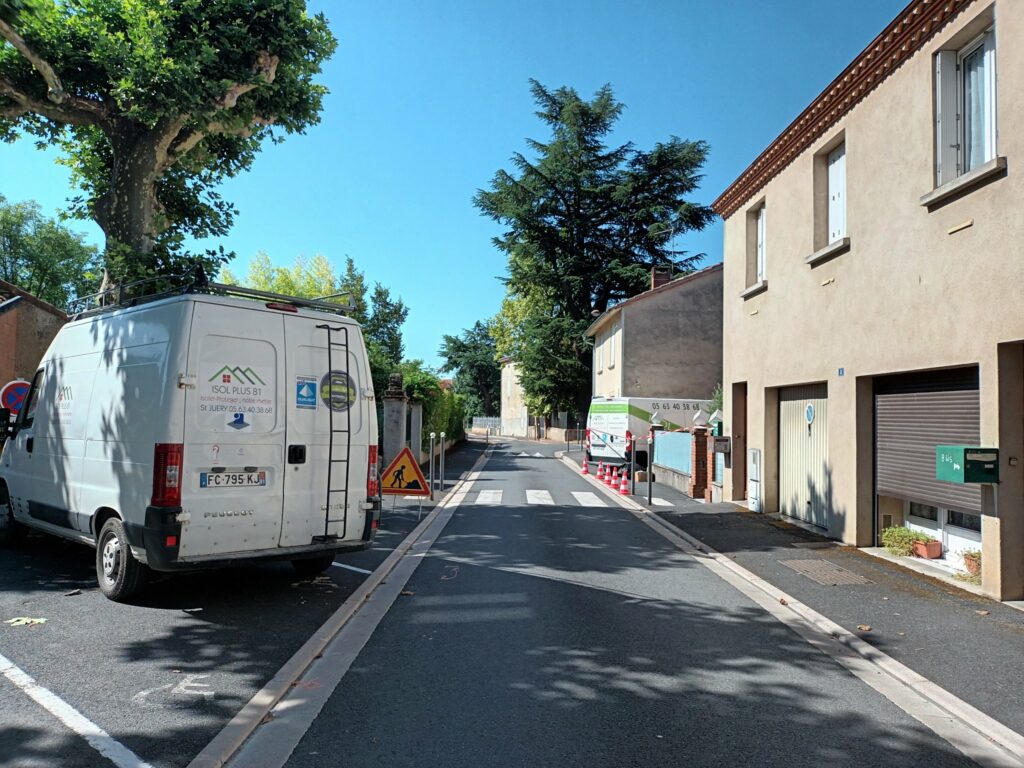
(228, 375)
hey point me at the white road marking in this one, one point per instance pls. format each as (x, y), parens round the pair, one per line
(539, 497)
(294, 705)
(489, 497)
(524, 453)
(538, 455)
(187, 686)
(660, 502)
(588, 499)
(352, 567)
(98, 739)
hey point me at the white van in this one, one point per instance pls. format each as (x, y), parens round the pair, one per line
(198, 430)
(612, 421)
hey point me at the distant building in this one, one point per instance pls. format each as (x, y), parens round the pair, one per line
(27, 326)
(664, 342)
(873, 287)
(515, 417)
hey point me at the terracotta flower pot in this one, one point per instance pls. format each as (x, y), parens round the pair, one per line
(972, 564)
(928, 549)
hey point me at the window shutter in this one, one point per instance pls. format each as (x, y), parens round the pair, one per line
(947, 141)
(837, 194)
(990, 93)
(760, 244)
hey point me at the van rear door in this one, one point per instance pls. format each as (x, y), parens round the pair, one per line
(234, 452)
(320, 390)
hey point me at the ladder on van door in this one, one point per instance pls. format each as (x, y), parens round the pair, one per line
(334, 460)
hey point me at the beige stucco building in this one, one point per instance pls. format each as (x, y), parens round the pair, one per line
(515, 417)
(664, 342)
(873, 283)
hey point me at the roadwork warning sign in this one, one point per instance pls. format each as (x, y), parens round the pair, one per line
(403, 477)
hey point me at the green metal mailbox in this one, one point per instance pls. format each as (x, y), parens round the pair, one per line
(966, 464)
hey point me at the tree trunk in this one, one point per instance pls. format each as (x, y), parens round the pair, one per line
(129, 213)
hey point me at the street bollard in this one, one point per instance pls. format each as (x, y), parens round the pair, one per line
(442, 462)
(433, 437)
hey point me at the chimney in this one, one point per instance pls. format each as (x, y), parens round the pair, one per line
(660, 276)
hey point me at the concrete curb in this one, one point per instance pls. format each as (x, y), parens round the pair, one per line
(1009, 743)
(225, 744)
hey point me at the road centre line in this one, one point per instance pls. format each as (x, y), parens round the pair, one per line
(977, 735)
(351, 568)
(98, 739)
(233, 737)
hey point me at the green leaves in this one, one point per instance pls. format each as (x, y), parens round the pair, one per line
(154, 103)
(584, 224)
(44, 258)
(477, 374)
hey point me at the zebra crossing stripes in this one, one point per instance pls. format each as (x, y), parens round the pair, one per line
(539, 497)
(489, 497)
(588, 499)
(660, 502)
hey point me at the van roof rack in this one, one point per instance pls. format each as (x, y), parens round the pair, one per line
(193, 281)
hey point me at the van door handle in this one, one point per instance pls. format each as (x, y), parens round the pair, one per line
(296, 454)
(29, 443)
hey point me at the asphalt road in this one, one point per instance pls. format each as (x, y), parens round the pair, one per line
(569, 633)
(164, 675)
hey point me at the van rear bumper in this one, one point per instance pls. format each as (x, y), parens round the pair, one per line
(161, 525)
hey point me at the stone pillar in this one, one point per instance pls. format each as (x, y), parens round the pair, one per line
(416, 430)
(699, 463)
(394, 418)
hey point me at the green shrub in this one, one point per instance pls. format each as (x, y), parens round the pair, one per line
(900, 541)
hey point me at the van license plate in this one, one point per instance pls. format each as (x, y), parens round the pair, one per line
(231, 479)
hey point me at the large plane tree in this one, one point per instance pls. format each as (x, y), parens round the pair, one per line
(153, 103)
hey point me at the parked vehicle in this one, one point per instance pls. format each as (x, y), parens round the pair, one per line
(612, 422)
(195, 430)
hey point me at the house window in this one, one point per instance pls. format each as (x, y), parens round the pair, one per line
(965, 108)
(759, 254)
(964, 520)
(837, 194)
(924, 511)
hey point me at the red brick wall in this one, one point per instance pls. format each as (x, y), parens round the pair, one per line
(699, 463)
(36, 329)
(8, 344)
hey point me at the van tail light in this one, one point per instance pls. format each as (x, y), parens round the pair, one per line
(588, 437)
(629, 439)
(372, 483)
(167, 461)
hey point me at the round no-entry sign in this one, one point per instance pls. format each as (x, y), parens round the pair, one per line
(13, 395)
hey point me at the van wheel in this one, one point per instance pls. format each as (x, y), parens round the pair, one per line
(312, 566)
(11, 531)
(119, 574)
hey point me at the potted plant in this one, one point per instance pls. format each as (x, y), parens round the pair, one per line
(898, 541)
(927, 547)
(972, 561)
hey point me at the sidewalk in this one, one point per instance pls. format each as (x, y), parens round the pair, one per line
(968, 644)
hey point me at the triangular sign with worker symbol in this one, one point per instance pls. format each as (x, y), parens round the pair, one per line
(403, 477)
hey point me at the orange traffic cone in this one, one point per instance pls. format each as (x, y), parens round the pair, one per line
(600, 470)
(586, 469)
(612, 479)
(624, 487)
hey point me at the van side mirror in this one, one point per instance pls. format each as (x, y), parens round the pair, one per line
(6, 425)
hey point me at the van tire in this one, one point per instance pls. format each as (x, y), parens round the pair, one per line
(118, 573)
(312, 566)
(11, 531)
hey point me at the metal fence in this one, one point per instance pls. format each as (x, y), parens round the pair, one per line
(487, 422)
(673, 450)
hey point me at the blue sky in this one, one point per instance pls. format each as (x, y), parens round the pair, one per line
(429, 98)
